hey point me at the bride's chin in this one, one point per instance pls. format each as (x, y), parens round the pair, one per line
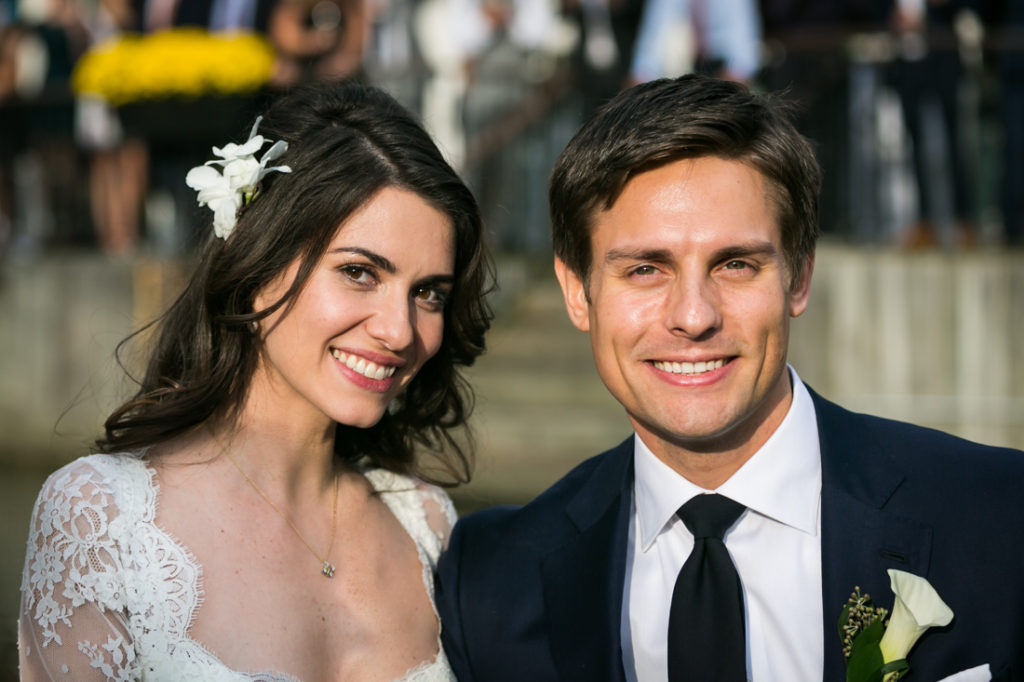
(365, 420)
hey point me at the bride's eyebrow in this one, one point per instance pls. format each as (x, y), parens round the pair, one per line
(375, 258)
(437, 280)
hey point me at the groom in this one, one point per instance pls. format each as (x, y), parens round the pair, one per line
(731, 528)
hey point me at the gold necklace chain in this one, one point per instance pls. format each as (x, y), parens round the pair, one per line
(327, 568)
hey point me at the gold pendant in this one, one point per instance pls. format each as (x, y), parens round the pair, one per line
(328, 569)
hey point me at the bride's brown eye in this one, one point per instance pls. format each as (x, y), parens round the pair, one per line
(431, 297)
(358, 274)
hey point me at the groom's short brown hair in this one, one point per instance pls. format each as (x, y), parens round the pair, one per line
(662, 121)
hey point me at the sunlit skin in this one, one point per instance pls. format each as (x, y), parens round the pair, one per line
(377, 296)
(688, 267)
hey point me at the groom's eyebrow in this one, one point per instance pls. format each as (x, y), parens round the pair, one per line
(749, 250)
(638, 254)
(375, 258)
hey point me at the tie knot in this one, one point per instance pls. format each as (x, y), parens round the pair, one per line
(709, 516)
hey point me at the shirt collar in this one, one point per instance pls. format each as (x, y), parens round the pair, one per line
(782, 480)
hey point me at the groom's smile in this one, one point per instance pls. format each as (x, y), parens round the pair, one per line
(703, 369)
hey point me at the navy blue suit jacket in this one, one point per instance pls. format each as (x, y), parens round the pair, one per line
(535, 593)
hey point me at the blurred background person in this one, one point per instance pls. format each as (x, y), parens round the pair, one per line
(1007, 26)
(928, 74)
(608, 31)
(450, 35)
(807, 57)
(318, 39)
(41, 166)
(11, 121)
(719, 38)
(119, 165)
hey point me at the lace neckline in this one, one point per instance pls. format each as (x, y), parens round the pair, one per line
(390, 486)
(193, 586)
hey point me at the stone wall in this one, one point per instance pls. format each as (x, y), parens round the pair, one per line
(932, 338)
(61, 318)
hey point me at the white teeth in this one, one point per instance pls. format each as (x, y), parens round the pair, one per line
(370, 370)
(689, 368)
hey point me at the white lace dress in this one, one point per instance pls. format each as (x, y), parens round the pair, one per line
(106, 594)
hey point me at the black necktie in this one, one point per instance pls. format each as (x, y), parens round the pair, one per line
(706, 636)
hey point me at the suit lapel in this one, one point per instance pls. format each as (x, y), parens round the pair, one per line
(583, 579)
(860, 538)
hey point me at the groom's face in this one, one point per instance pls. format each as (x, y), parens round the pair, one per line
(688, 306)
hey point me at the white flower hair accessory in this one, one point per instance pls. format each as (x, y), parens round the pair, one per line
(228, 190)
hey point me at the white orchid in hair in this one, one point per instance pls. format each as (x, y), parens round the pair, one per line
(235, 185)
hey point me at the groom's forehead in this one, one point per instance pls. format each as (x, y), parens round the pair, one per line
(611, 220)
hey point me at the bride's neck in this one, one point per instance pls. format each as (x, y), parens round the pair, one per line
(285, 457)
(293, 444)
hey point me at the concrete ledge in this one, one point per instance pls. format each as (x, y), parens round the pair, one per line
(63, 317)
(934, 338)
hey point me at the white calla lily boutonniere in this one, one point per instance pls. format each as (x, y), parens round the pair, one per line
(236, 184)
(877, 652)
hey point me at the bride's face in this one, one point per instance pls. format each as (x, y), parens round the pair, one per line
(369, 317)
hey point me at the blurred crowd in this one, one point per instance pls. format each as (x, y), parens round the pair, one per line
(916, 107)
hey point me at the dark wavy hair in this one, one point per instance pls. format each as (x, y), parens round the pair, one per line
(656, 123)
(346, 142)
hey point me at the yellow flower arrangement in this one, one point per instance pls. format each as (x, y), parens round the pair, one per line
(180, 62)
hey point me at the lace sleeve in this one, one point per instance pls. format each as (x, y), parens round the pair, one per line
(439, 510)
(72, 624)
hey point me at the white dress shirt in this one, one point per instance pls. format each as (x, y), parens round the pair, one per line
(775, 545)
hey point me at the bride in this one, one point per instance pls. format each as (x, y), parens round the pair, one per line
(258, 510)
